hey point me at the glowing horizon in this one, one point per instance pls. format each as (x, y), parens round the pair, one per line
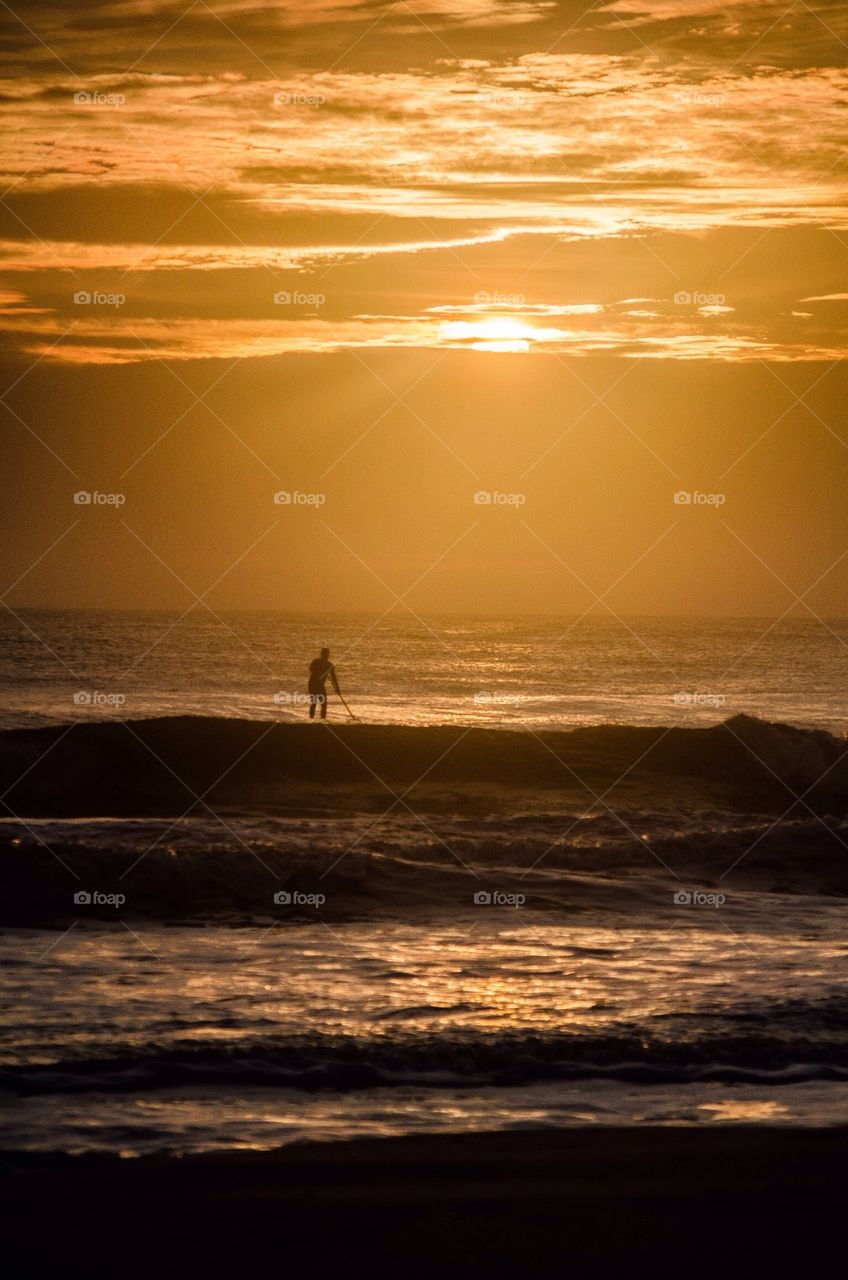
(592, 255)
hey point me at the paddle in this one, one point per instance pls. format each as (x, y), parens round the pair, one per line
(345, 705)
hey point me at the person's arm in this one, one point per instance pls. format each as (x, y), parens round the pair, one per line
(335, 681)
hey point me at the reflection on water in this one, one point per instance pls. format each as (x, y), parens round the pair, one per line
(526, 672)
(749, 1110)
(154, 985)
(196, 1120)
(196, 1039)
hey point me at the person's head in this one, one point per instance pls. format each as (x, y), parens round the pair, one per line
(325, 653)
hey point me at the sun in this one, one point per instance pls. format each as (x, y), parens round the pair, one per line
(495, 333)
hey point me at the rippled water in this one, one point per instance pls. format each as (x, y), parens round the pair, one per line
(146, 1037)
(530, 671)
(402, 1006)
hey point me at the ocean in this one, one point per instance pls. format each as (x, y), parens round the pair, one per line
(559, 872)
(502, 673)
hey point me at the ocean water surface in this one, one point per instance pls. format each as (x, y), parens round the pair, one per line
(519, 673)
(377, 931)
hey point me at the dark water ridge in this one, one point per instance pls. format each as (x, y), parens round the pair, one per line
(155, 766)
(808, 1050)
(236, 819)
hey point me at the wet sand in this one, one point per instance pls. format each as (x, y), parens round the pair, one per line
(730, 1201)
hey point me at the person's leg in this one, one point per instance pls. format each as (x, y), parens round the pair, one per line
(311, 705)
(323, 706)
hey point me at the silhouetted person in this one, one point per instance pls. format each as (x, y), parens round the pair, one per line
(319, 670)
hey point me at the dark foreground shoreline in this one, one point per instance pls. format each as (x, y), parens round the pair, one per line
(578, 1202)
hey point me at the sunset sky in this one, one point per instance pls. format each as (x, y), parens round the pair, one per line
(584, 256)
